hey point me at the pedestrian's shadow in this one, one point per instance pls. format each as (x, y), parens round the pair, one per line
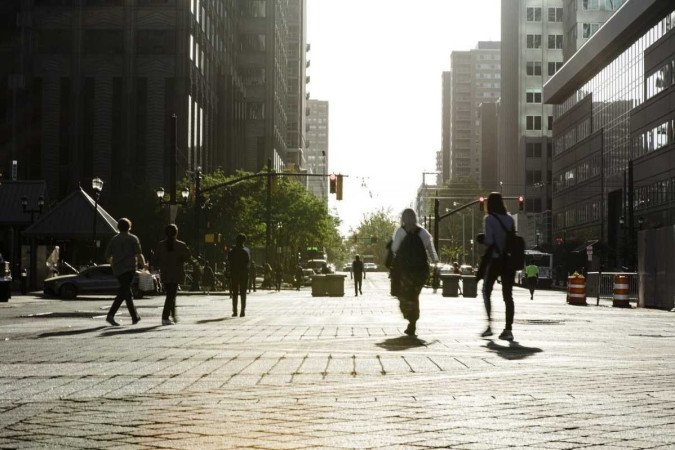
(221, 319)
(402, 343)
(70, 332)
(513, 351)
(134, 330)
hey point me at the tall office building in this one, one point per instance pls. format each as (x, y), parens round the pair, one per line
(474, 79)
(88, 87)
(317, 146)
(533, 40)
(297, 82)
(446, 124)
(581, 19)
(614, 136)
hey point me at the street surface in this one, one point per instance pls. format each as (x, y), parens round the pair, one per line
(301, 372)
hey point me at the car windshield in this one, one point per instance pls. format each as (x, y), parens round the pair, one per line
(100, 271)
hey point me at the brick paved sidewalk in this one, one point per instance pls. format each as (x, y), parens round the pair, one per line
(301, 372)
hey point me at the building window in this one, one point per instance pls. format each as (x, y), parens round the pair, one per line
(555, 14)
(550, 123)
(534, 14)
(589, 29)
(589, 4)
(533, 68)
(155, 42)
(555, 41)
(553, 67)
(533, 123)
(533, 149)
(532, 177)
(533, 97)
(103, 42)
(534, 41)
(660, 80)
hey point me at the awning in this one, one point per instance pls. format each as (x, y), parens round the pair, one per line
(73, 218)
(596, 244)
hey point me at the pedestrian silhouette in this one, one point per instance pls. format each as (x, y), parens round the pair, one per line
(171, 256)
(267, 276)
(125, 254)
(412, 248)
(208, 277)
(251, 277)
(240, 258)
(278, 275)
(496, 222)
(299, 275)
(532, 276)
(358, 274)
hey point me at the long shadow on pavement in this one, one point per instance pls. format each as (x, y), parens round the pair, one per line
(402, 343)
(513, 351)
(135, 330)
(221, 319)
(70, 332)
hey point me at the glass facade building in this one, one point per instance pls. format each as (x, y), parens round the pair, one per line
(608, 119)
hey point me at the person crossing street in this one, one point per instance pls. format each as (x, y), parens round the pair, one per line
(357, 273)
(531, 278)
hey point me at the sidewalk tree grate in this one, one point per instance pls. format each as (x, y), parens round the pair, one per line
(539, 322)
(67, 314)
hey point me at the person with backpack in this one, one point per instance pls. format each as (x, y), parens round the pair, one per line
(504, 248)
(239, 259)
(412, 247)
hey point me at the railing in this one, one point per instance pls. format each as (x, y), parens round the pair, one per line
(607, 285)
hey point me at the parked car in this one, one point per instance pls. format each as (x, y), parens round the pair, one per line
(93, 280)
(466, 269)
(347, 267)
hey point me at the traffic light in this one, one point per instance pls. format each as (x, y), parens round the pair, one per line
(338, 188)
(521, 202)
(481, 203)
(333, 183)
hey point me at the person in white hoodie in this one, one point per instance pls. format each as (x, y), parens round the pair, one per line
(412, 248)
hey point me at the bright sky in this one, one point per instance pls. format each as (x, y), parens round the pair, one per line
(379, 64)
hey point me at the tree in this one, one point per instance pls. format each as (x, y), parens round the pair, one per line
(372, 235)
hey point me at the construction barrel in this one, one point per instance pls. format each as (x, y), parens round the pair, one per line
(620, 296)
(576, 289)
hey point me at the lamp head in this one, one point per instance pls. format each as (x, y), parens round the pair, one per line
(97, 185)
(185, 193)
(160, 193)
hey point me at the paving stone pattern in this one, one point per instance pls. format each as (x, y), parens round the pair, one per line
(305, 372)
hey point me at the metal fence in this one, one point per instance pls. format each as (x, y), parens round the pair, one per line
(607, 285)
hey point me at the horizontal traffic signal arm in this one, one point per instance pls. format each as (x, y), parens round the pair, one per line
(466, 205)
(262, 175)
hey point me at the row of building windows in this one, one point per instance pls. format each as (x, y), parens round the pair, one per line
(583, 171)
(608, 5)
(589, 29)
(662, 79)
(574, 135)
(534, 149)
(555, 41)
(534, 123)
(533, 68)
(533, 97)
(533, 14)
(656, 138)
(655, 194)
(578, 215)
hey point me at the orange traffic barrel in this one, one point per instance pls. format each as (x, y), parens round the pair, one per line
(576, 290)
(620, 297)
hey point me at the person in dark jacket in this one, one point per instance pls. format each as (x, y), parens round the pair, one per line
(251, 277)
(358, 273)
(278, 275)
(171, 256)
(240, 259)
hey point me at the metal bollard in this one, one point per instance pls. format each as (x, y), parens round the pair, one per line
(576, 290)
(620, 294)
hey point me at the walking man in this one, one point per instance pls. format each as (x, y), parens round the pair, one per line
(251, 277)
(240, 258)
(531, 278)
(358, 274)
(171, 256)
(124, 253)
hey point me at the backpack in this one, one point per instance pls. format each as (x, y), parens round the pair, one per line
(411, 256)
(514, 250)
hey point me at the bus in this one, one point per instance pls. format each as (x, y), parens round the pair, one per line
(545, 263)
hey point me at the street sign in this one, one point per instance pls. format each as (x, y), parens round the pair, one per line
(589, 252)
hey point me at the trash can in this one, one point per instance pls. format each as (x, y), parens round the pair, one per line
(335, 285)
(319, 286)
(5, 288)
(469, 286)
(451, 285)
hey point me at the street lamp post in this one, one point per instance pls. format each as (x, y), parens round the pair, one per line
(97, 186)
(33, 247)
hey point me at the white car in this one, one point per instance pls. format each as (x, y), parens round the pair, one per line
(369, 267)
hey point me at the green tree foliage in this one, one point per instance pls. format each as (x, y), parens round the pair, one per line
(298, 218)
(372, 234)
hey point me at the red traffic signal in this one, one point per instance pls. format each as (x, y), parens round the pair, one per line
(333, 183)
(481, 203)
(521, 203)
